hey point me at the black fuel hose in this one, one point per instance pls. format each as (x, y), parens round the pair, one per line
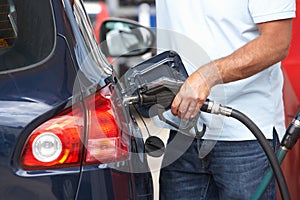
(268, 150)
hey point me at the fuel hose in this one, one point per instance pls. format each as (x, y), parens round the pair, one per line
(290, 138)
(268, 177)
(268, 150)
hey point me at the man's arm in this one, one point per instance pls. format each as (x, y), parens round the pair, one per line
(267, 49)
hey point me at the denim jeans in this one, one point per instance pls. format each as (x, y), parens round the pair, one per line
(232, 170)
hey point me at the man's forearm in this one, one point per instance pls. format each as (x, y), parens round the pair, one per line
(269, 48)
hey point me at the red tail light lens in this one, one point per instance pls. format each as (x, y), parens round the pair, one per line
(59, 142)
(104, 143)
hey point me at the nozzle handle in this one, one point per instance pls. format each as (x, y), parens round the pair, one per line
(292, 133)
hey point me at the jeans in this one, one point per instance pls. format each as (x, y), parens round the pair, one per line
(232, 170)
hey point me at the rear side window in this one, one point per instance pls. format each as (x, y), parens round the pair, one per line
(26, 32)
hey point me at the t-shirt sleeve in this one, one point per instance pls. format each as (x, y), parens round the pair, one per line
(270, 10)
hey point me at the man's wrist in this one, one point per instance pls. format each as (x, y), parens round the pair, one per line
(211, 74)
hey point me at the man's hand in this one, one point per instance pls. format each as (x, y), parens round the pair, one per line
(194, 91)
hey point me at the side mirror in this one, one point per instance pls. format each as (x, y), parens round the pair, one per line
(120, 37)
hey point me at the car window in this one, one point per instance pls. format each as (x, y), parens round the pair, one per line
(27, 32)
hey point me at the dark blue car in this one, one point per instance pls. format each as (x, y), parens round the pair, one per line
(63, 132)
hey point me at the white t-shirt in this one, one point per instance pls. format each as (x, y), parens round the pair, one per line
(204, 30)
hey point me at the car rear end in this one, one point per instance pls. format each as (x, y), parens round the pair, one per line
(63, 133)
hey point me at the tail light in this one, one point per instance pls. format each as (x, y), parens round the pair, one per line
(60, 142)
(105, 142)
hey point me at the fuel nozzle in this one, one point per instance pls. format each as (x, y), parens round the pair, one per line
(292, 133)
(161, 94)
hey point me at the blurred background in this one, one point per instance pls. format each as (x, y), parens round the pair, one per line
(142, 11)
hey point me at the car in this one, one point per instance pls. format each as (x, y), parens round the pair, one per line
(64, 134)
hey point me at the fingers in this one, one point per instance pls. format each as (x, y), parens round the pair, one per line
(175, 105)
(185, 109)
(192, 94)
(191, 111)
